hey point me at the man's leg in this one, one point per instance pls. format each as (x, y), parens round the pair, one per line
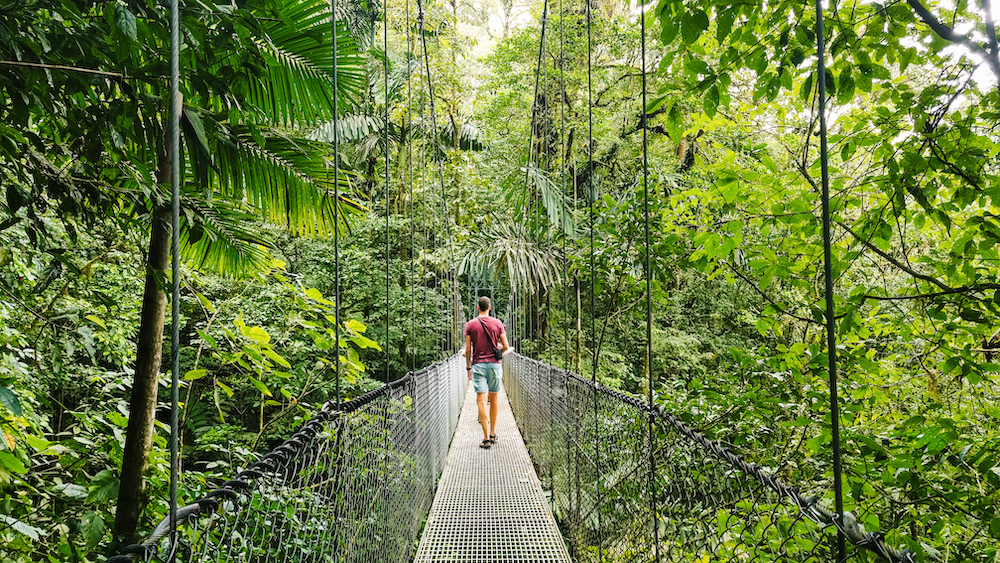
(494, 408)
(483, 419)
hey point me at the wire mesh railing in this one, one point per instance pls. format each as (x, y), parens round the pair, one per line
(591, 447)
(353, 484)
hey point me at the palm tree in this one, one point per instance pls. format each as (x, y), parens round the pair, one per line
(259, 79)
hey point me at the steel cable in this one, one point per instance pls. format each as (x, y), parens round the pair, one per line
(176, 106)
(352, 484)
(831, 330)
(712, 504)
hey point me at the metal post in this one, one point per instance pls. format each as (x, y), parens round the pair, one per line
(831, 334)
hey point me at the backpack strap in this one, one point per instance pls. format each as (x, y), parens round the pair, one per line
(487, 331)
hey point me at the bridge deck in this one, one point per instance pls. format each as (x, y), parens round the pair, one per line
(489, 505)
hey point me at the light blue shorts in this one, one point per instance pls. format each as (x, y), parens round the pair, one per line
(487, 377)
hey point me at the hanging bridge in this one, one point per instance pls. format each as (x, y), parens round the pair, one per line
(580, 472)
(608, 479)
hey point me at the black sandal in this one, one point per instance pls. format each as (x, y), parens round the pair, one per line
(493, 438)
(486, 444)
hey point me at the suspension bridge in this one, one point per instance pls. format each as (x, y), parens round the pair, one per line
(581, 472)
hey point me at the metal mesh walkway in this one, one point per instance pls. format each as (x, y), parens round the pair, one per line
(489, 505)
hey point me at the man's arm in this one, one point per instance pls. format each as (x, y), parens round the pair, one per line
(468, 355)
(503, 344)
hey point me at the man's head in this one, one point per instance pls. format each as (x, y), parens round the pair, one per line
(484, 304)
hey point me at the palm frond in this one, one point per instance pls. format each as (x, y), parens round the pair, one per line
(289, 181)
(349, 128)
(529, 263)
(399, 73)
(223, 238)
(540, 189)
(361, 18)
(297, 87)
(469, 136)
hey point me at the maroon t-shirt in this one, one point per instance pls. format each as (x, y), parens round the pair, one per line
(482, 344)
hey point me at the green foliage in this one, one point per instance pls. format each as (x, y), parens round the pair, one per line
(735, 259)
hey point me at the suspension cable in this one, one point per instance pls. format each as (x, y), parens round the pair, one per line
(338, 505)
(562, 178)
(593, 326)
(409, 171)
(336, 203)
(388, 307)
(649, 293)
(175, 214)
(831, 334)
(423, 217)
(440, 164)
(385, 130)
(534, 102)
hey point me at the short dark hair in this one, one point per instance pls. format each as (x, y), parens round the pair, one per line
(484, 303)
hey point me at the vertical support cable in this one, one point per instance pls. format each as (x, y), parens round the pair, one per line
(336, 203)
(440, 167)
(649, 292)
(562, 176)
(176, 104)
(388, 306)
(412, 218)
(385, 129)
(336, 265)
(530, 217)
(831, 334)
(409, 172)
(593, 326)
(590, 185)
(423, 216)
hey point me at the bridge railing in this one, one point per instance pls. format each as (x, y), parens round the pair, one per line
(591, 446)
(353, 484)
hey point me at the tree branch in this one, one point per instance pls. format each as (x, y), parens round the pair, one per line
(767, 297)
(952, 291)
(991, 35)
(950, 34)
(62, 67)
(929, 279)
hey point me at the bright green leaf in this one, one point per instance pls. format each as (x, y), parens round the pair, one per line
(261, 387)
(257, 334)
(10, 400)
(693, 24)
(32, 532)
(125, 22)
(9, 462)
(195, 374)
(276, 358)
(92, 526)
(103, 487)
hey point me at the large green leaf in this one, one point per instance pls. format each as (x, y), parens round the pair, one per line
(530, 263)
(299, 87)
(18, 526)
(540, 190)
(348, 128)
(9, 400)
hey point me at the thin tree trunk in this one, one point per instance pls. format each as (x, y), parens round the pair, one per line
(149, 354)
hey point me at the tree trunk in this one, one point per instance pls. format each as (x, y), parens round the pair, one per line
(149, 354)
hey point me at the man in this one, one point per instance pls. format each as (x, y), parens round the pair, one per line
(482, 335)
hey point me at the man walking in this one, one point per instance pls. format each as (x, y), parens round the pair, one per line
(483, 335)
